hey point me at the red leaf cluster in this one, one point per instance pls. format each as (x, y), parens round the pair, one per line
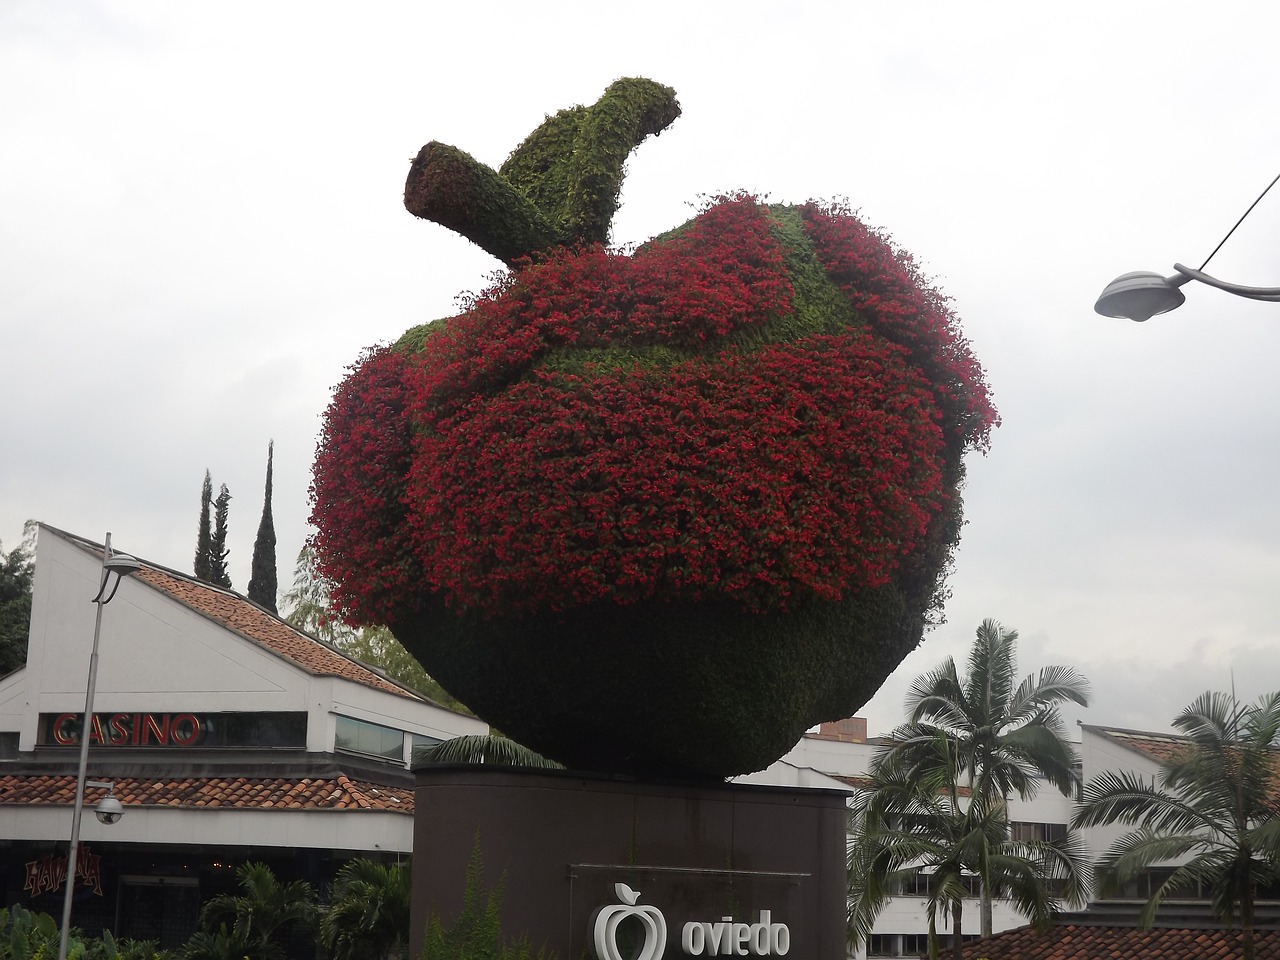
(885, 286)
(588, 431)
(723, 273)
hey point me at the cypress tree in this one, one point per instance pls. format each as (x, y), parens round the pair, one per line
(204, 539)
(262, 578)
(218, 547)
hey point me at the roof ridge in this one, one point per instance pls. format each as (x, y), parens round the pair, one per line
(320, 792)
(205, 603)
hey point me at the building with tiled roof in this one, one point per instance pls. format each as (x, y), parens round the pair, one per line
(1114, 747)
(227, 734)
(839, 754)
(1095, 942)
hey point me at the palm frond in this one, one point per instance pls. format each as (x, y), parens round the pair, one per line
(993, 663)
(1125, 797)
(1053, 685)
(935, 695)
(484, 748)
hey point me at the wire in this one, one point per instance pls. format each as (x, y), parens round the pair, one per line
(1238, 222)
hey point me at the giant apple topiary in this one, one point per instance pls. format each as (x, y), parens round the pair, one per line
(657, 512)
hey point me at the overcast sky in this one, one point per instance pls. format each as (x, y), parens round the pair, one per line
(202, 226)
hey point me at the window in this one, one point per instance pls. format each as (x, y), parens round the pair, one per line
(418, 743)
(897, 944)
(883, 945)
(922, 883)
(1023, 831)
(1146, 883)
(915, 944)
(369, 740)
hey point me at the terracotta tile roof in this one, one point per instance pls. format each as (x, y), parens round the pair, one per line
(250, 621)
(1069, 942)
(255, 624)
(866, 783)
(1161, 747)
(1166, 747)
(859, 783)
(331, 792)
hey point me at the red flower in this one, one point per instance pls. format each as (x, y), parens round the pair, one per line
(682, 424)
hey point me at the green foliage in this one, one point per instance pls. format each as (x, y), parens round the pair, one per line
(982, 738)
(559, 187)
(572, 166)
(204, 533)
(219, 944)
(140, 950)
(262, 917)
(905, 826)
(452, 188)
(218, 551)
(477, 932)
(307, 603)
(368, 917)
(477, 748)
(17, 568)
(1212, 810)
(107, 947)
(719, 671)
(262, 576)
(1004, 738)
(211, 545)
(25, 935)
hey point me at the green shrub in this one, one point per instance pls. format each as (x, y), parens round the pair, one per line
(477, 933)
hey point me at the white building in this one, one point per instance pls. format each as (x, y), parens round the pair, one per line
(228, 736)
(839, 755)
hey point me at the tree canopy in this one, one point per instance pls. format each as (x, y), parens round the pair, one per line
(368, 916)
(262, 915)
(17, 570)
(944, 841)
(204, 531)
(262, 577)
(218, 550)
(946, 777)
(307, 606)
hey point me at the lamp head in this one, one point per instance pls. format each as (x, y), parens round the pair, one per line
(108, 810)
(1141, 295)
(121, 564)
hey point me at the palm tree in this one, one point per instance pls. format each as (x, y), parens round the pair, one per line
(208, 944)
(1214, 810)
(986, 735)
(368, 918)
(264, 914)
(484, 748)
(906, 828)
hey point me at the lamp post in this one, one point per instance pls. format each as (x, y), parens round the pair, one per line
(121, 565)
(1142, 295)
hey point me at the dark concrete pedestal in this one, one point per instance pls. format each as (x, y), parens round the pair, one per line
(617, 869)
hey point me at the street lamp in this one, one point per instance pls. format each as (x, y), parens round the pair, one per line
(1142, 295)
(119, 566)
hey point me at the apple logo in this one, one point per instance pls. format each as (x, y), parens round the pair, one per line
(608, 919)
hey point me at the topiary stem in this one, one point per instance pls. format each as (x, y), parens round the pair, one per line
(559, 187)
